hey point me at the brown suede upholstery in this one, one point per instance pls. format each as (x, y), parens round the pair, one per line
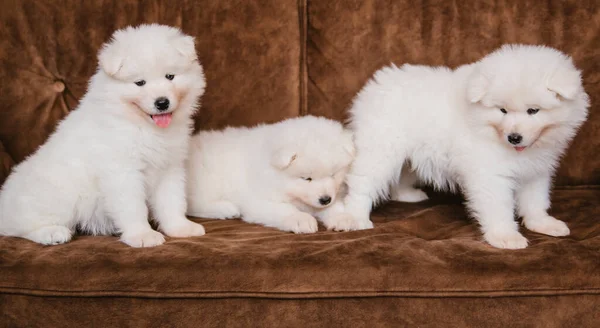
(347, 47)
(6, 162)
(422, 265)
(250, 52)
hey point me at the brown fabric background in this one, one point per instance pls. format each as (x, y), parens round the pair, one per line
(6, 162)
(422, 264)
(250, 52)
(271, 60)
(349, 40)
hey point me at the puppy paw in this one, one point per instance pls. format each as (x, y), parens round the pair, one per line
(365, 224)
(300, 223)
(411, 195)
(186, 228)
(341, 222)
(148, 238)
(547, 225)
(346, 222)
(506, 239)
(50, 235)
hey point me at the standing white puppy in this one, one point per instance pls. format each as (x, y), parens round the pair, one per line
(496, 129)
(119, 153)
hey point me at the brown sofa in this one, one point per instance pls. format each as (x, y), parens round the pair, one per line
(422, 265)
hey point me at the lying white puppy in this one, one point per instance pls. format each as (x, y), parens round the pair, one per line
(496, 129)
(279, 175)
(120, 151)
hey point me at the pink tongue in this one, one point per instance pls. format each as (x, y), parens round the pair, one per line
(162, 120)
(520, 148)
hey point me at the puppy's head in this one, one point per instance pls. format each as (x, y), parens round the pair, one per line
(155, 72)
(313, 155)
(532, 96)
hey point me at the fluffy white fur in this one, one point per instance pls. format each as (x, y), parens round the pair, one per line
(451, 128)
(110, 161)
(273, 174)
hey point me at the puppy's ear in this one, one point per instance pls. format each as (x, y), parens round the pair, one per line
(477, 86)
(283, 158)
(185, 45)
(110, 58)
(566, 82)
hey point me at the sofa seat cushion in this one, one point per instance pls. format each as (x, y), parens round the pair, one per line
(425, 250)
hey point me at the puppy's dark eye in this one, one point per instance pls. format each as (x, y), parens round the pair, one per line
(140, 83)
(503, 110)
(309, 179)
(533, 111)
(170, 76)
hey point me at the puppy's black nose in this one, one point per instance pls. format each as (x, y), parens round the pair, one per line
(161, 103)
(515, 138)
(324, 200)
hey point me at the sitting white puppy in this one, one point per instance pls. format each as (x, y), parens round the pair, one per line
(279, 175)
(496, 129)
(121, 151)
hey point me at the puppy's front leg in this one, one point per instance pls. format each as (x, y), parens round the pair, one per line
(533, 201)
(490, 199)
(335, 217)
(125, 202)
(169, 204)
(282, 216)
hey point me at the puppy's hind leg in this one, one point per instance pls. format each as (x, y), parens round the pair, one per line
(404, 190)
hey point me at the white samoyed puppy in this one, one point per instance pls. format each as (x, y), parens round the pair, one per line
(119, 153)
(280, 175)
(495, 129)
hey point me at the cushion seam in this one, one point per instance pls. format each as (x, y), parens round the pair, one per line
(303, 68)
(316, 294)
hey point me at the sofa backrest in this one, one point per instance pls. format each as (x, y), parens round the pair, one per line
(273, 59)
